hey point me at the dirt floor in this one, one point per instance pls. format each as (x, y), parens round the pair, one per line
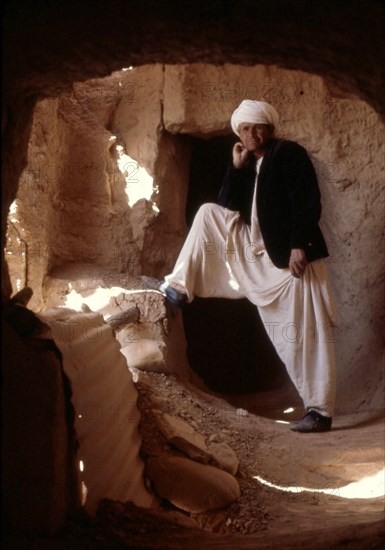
(311, 491)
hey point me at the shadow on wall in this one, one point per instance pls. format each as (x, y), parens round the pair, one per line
(209, 161)
(227, 345)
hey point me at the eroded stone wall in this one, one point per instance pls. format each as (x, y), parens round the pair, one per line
(86, 149)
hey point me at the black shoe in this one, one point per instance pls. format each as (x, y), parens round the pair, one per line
(313, 422)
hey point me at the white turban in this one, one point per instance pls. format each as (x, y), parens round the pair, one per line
(256, 112)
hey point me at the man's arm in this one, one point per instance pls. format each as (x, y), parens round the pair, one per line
(230, 194)
(228, 191)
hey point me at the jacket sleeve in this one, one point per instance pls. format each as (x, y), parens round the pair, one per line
(304, 196)
(237, 189)
(229, 193)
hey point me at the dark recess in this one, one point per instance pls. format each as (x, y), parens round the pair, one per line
(227, 344)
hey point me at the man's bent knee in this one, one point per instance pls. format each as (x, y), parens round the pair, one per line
(209, 210)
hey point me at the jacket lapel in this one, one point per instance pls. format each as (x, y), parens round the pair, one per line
(264, 169)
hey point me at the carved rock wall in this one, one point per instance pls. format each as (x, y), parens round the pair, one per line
(87, 147)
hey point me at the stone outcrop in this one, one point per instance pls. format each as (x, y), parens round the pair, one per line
(191, 486)
(224, 457)
(153, 335)
(39, 482)
(124, 318)
(183, 436)
(106, 417)
(145, 355)
(175, 448)
(199, 481)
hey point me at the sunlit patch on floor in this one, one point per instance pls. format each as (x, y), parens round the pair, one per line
(366, 488)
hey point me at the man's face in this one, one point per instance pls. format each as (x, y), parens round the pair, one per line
(255, 136)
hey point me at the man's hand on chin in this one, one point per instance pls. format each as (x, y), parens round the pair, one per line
(240, 155)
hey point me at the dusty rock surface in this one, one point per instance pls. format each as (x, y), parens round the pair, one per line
(105, 414)
(145, 354)
(283, 476)
(183, 436)
(191, 486)
(224, 457)
(264, 516)
(155, 342)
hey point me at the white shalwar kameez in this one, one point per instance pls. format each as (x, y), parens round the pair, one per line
(223, 257)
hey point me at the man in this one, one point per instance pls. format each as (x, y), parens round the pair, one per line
(262, 241)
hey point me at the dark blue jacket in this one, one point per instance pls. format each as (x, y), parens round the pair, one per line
(288, 200)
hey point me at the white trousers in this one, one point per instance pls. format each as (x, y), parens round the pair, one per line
(223, 257)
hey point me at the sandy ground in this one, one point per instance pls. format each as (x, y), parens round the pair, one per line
(286, 478)
(311, 491)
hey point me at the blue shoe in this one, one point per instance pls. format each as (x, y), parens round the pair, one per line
(173, 295)
(313, 422)
(154, 284)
